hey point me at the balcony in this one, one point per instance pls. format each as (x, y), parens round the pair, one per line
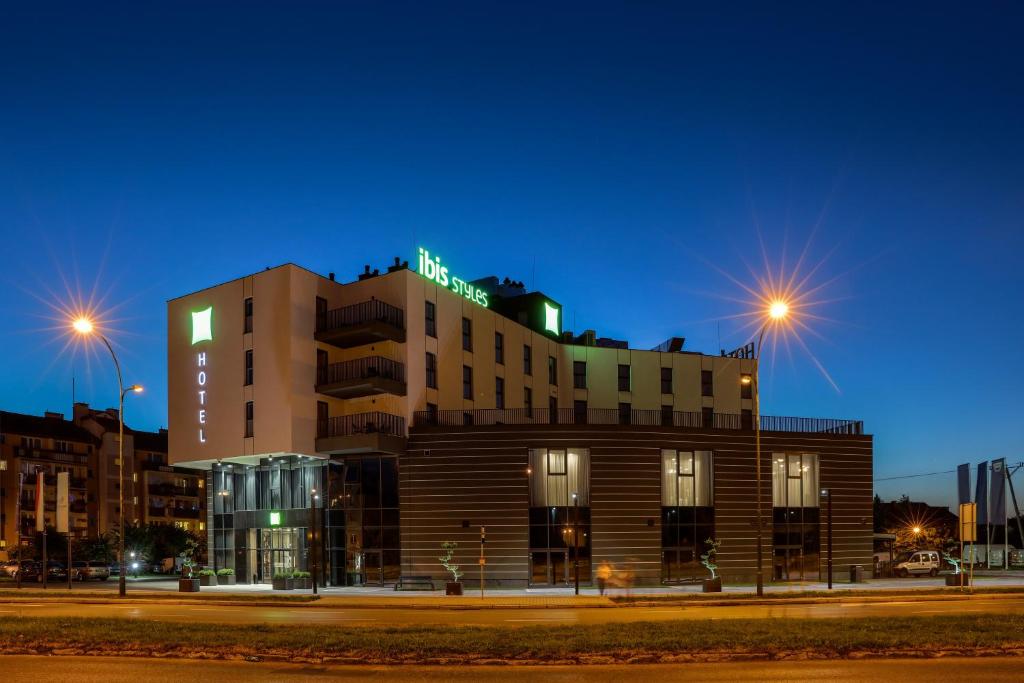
(361, 433)
(362, 377)
(167, 489)
(648, 418)
(367, 322)
(183, 513)
(51, 455)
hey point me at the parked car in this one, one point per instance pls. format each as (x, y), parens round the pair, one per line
(918, 562)
(11, 568)
(55, 571)
(25, 568)
(84, 571)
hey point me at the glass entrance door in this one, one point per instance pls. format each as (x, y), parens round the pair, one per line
(278, 552)
(550, 568)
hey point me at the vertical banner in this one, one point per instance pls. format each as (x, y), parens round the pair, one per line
(997, 492)
(62, 502)
(40, 503)
(963, 482)
(981, 492)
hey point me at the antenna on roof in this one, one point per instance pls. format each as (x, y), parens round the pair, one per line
(533, 275)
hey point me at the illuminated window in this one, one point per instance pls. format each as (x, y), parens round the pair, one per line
(556, 474)
(686, 478)
(795, 480)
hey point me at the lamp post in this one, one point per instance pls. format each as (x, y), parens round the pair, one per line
(576, 542)
(828, 497)
(776, 312)
(85, 327)
(313, 497)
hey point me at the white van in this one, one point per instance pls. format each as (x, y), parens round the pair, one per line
(918, 562)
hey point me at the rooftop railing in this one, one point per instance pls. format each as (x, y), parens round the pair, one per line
(361, 368)
(650, 418)
(359, 314)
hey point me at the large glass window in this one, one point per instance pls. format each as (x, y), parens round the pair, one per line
(687, 512)
(796, 522)
(559, 521)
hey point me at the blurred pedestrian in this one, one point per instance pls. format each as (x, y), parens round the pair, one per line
(604, 572)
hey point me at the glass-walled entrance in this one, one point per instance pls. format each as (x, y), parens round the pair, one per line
(559, 516)
(277, 551)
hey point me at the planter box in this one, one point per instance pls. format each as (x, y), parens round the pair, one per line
(954, 580)
(713, 585)
(208, 580)
(453, 588)
(302, 583)
(282, 584)
(226, 579)
(188, 585)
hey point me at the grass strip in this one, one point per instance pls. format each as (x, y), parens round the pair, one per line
(644, 641)
(796, 594)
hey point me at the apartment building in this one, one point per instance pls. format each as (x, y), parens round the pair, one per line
(407, 408)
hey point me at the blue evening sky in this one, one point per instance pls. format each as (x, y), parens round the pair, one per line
(617, 155)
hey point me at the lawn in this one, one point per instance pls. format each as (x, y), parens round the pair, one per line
(644, 641)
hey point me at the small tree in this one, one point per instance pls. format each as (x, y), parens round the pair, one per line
(447, 553)
(708, 558)
(954, 561)
(188, 562)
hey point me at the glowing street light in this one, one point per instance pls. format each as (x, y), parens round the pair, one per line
(83, 326)
(778, 309)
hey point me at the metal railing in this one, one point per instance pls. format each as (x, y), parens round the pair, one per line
(359, 314)
(361, 368)
(47, 454)
(361, 423)
(173, 490)
(649, 418)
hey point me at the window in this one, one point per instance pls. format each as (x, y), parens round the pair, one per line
(667, 418)
(707, 386)
(527, 359)
(321, 367)
(686, 478)
(795, 480)
(666, 380)
(499, 348)
(430, 318)
(579, 374)
(248, 419)
(746, 386)
(321, 313)
(248, 367)
(467, 334)
(528, 401)
(431, 370)
(556, 474)
(432, 413)
(579, 410)
(552, 410)
(321, 419)
(552, 371)
(746, 419)
(707, 416)
(499, 393)
(247, 310)
(625, 413)
(623, 377)
(467, 382)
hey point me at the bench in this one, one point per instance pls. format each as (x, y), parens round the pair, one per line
(415, 583)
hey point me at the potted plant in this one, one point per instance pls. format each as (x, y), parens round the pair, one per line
(188, 582)
(714, 584)
(207, 577)
(453, 587)
(958, 575)
(282, 581)
(302, 580)
(226, 576)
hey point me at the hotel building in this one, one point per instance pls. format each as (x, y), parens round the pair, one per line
(412, 407)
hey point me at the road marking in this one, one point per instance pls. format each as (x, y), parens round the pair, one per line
(543, 619)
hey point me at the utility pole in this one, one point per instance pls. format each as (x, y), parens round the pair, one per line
(483, 560)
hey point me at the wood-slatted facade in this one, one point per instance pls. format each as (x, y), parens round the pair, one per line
(455, 479)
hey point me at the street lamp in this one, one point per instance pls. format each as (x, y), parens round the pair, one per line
(84, 327)
(313, 497)
(576, 542)
(777, 311)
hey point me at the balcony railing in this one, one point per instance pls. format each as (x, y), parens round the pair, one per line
(172, 490)
(51, 455)
(183, 513)
(359, 314)
(361, 423)
(650, 418)
(361, 368)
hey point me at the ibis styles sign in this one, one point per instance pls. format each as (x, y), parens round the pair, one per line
(430, 267)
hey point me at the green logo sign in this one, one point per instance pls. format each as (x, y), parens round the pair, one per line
(551, 318)
(202, 325)
(275, 519)
(432, 269)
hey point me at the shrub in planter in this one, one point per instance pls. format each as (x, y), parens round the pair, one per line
(954, 579)
(453, 587)
(226, 576)
(188, 585)
(282, 581)
(207, 577)
(713, 584)
(302, 579)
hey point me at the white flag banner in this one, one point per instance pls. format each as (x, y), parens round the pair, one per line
(63, 479)
(40, 502)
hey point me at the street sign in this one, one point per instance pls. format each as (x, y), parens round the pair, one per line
(968, 522)
(482, 561)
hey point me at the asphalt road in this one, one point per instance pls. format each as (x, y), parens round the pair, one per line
(114, 670)
(1009, 604)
